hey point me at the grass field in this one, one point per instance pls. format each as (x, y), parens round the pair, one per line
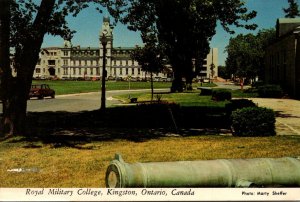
(184, 99)
(86, 165)
(70, 87)
(191, 98)
(81, 163)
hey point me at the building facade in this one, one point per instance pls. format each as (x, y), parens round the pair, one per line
(75, 62)
(210, 65)
(283, 57)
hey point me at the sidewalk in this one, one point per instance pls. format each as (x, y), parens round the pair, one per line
(287, 114)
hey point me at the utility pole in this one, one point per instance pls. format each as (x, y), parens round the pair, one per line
(103, 98)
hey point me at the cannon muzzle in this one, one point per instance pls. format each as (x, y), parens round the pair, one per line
(259, 172)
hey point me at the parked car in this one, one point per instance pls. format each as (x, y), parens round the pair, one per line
(40, 91)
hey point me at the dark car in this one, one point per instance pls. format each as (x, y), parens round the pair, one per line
(40, 91)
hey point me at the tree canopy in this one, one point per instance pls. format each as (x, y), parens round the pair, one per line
(293, 10)
(150, 57)
(185, 27)
(28, 22)
(246, 54)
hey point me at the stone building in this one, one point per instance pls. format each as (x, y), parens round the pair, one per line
(210, 65)
(75, 62)
(283, 57)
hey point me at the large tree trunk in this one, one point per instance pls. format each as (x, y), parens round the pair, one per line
(17, 89)
(189, 74)
(176, 62)
(152, 88)
(5, 70)
(177, 84)
(189, 82)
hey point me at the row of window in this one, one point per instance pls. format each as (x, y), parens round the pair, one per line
(95, 71)
(96, 62)
(88, 62)
(92, 71)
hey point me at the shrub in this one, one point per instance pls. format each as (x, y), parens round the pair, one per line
(257, 84)
(250, 90)
(253, 122)
(221, 95)
(270, 91)
(238, 104)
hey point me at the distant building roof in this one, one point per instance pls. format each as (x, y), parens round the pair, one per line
(286, 25)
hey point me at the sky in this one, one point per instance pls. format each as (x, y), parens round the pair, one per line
(88, 24)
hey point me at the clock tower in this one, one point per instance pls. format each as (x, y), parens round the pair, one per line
(106, 31)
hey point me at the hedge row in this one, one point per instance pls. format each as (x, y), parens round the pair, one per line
(270, 91)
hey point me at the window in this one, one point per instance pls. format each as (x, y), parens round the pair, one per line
(37, 70)
(126, 71)
(65, 62)
(139, 71)
(51, 62)
(65, 53)
(74, 71)
(132, 71)
(121, 71)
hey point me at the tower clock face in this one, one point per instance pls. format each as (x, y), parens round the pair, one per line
(105, 32)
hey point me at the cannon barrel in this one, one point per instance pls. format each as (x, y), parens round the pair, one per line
(257, 172)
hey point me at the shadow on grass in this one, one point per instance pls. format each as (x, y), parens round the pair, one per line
(135, 123)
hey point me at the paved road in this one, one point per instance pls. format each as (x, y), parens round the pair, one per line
(77, 102)
(229, 85)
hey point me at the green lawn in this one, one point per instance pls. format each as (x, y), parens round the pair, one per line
(86, 164)
(70, 87)
(183, 99)
(191, 98)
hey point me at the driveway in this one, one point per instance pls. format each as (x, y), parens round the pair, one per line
(288, 117)
(78, 102)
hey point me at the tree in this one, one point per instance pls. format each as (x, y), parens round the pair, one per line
(246, 54)
(5, 70)
(185, 28)
(29, 23)
(223, 72)
(292, 11)
(150, 57)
